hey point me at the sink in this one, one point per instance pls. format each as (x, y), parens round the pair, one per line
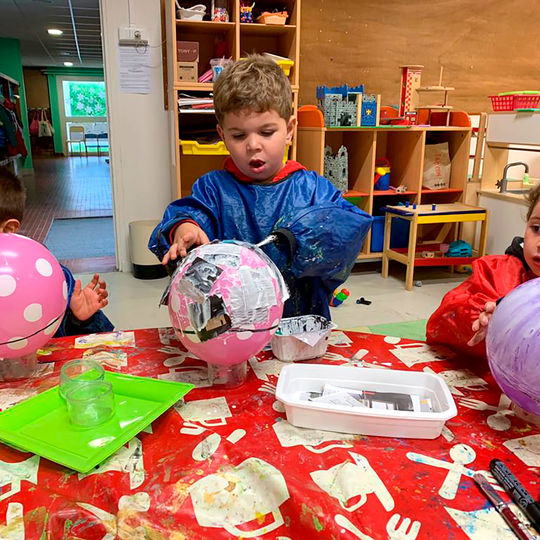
(523, 190)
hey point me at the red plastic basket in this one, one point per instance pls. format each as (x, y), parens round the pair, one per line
(514, 101)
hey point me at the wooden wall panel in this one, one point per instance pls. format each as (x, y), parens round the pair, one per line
(485, 46)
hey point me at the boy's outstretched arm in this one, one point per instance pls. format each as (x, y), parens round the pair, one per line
(85, 302)
(188, 221)
(187, 234)
(83, 313)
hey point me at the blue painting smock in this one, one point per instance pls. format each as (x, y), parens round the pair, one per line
(329, 231)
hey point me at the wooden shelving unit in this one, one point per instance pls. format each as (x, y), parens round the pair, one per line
(404, 148)
(238, 40)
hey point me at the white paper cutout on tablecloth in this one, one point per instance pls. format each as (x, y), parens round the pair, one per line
(12, 474)
(195, 375)
(118, 338)
(207, 412)
(421, 353)
(111, 358)
(207, 447)
(406, 530)
(166, 335)
(238, 495)
(12, 396)
(348, 480)
(339, 339)
(266, 368)
(117, 526)
(14, 527)
(129, 459)
(289, 435)
(498, 421)
(526, 448)
(462, 378)
(461, 455)
(344, 522)
(482, 524)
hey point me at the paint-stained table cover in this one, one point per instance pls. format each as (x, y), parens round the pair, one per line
(227, 464)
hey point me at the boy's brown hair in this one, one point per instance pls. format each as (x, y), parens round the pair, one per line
(255, 84)
(12, 196)
(533, 196)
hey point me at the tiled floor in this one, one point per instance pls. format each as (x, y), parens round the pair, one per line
(134, 302)
(67, 188)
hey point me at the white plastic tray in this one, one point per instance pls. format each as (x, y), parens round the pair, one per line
(296, 379)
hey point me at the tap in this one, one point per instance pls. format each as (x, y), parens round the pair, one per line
(502, 184)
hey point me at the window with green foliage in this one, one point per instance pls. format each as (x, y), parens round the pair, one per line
(84, 98)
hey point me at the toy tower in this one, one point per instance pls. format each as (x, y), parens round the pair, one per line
(410, 81)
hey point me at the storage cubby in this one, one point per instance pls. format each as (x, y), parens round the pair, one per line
(404, 148)
(231, 40)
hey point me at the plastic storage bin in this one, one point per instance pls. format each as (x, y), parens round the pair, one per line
(194, 148)
(278, 18)
(399, 236)
(510, 101)
(301, 338)
(193, 13)
(297, 379)
(284, 63)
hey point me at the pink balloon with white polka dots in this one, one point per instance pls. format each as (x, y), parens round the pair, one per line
(33, 295)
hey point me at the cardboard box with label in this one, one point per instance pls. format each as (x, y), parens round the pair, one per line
(187, 51)
(187, 71)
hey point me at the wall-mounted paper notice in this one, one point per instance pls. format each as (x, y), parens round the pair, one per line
(135, 76)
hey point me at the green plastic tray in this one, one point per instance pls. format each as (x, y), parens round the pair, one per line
(41, 424)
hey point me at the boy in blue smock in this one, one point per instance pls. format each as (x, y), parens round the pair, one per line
(256, 195)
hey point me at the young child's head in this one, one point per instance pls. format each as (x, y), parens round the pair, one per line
(531, 242)
(12, 198)
(253, 104)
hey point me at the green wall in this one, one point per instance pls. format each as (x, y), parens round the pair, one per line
(52, 73)
(11, 65)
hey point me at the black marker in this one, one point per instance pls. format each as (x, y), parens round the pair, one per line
(518, 493)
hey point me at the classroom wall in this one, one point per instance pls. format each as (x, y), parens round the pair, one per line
(11, 65)
(485, 46)
(37, 91)
(139, 136)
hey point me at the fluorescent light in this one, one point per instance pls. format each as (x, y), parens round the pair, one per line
(54, 31)
(68, 64)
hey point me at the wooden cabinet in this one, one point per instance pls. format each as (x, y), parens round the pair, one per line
(232, 39)
(404, 148)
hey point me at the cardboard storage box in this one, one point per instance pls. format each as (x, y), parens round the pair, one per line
(187, 71)
(187, 51)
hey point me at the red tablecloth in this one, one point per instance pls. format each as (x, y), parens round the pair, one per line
(227, 463)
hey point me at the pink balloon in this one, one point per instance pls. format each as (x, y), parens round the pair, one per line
(226, 301)
(33, 295)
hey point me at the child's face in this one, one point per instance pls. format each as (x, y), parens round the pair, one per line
(257, 141)
(531, 242)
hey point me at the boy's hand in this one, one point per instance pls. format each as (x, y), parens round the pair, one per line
(185, 236)
(480, 326)
(85, 302)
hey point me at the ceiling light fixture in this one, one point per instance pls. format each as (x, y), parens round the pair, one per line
(68, 64)
(54, 31)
